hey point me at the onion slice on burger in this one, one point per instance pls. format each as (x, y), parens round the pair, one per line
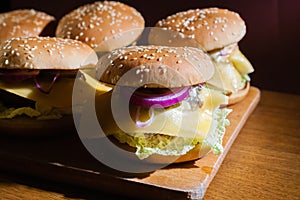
(47, 90)
(167, 99)
(141, 124)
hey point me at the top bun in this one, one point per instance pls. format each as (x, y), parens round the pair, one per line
(102, 25)
(22, 23)
(45, 53)
(209, 29)
(155, 67)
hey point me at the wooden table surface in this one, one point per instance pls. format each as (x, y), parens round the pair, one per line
(263, 162)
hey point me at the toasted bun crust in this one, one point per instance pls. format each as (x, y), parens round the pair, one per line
(45, 53)
(198, 152)
(155, 66)
(209, 28)
(22, 23)
(102, 25)
(25, 126)
(239, 96)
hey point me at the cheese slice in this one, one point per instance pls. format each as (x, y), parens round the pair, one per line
(240, 62)
(178, 121)
(226, 77)
(60, 95)
(229, 71)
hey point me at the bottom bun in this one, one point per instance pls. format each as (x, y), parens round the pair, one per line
(197, 152)
(25, 126)
(239, 96)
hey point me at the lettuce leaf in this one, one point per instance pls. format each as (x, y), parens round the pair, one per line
(148, 144)
(215, 137)
(40, 112)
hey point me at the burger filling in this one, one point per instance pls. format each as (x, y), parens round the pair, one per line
(30, 88)
(232, 69)
(19, 107)
(175, 130)
(24, 98)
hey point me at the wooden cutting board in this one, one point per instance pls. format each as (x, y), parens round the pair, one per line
(64, 159)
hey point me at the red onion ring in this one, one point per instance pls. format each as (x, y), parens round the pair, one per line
(47, 90)
(165, 100)
(141, 124)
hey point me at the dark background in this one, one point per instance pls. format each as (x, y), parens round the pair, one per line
(271, 42)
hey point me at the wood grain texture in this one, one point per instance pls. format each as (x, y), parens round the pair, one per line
(185, 181)
(262, 163)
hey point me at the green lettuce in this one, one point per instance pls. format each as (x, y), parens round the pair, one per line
(148, 144)
(40, 112)
(215, 137)
(246, 78)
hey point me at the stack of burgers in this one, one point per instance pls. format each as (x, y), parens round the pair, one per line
(170, 96)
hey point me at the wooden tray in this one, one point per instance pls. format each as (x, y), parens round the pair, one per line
(64, 159)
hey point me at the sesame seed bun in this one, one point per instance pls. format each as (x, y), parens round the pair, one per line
(155, 66)
(102, 25)
(46, 53)
(22, 23)
(239, 95)
(209, 28)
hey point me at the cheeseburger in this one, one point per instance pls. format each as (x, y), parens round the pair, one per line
(37, 76)
(172, 116)
(103, 25)
(22, 23)
(216, 31)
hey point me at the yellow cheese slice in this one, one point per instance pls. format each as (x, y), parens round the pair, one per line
(226, 77)
(174, 121)
(229, 71)
(240, 62)
(60, 95)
